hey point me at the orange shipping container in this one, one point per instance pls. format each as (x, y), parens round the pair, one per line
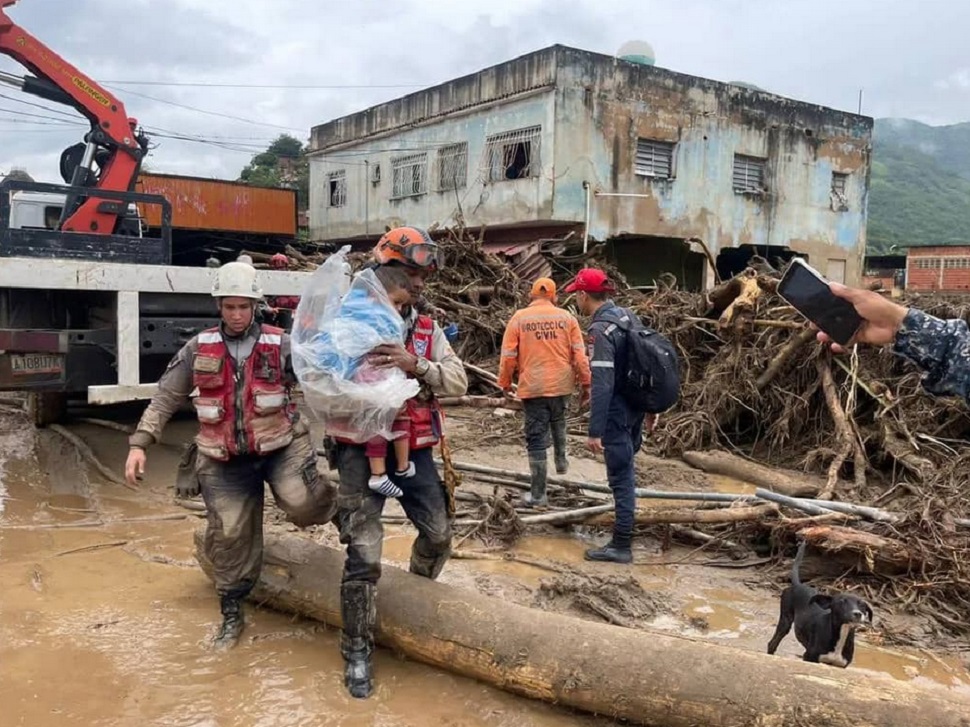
(216, 204)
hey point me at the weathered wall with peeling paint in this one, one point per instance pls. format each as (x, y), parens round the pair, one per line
(369, 206)
(592, 109)
(609, 104)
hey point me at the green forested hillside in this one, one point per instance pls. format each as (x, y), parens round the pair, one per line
(920, 185)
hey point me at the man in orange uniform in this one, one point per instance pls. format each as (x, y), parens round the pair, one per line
(546, 345)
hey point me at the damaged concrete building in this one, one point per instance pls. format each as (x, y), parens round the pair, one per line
(647, 160)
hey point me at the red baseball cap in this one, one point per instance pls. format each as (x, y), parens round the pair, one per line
(590, 280)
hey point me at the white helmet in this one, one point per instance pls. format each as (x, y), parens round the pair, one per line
(236, 280)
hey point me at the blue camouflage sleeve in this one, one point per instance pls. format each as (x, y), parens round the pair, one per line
(941, 348)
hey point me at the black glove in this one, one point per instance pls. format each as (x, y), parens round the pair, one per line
(187, 479)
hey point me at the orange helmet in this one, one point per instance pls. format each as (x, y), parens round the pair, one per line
(409, 246)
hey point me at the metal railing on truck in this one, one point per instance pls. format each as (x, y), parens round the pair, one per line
(43, 243)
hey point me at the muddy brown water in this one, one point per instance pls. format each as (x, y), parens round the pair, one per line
(108, 625)
(104, 616)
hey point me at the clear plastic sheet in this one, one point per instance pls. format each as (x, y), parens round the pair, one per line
(339, 321)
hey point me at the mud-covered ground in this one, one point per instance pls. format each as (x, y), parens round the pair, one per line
(104, 615)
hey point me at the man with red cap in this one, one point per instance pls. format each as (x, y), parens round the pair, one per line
(615, 427)
(544, 342)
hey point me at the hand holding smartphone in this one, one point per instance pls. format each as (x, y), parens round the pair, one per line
(804, 288)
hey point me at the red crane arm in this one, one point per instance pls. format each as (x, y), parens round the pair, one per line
(58, 80)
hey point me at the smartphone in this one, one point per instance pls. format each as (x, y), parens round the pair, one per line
(804, 288)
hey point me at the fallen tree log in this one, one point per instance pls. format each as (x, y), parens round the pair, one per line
(869, 553)
(786, 482)
(645, 677)
(693, 515)
(565, 482)
(481, 402)
(808, 506)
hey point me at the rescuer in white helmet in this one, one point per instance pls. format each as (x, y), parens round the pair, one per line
(249, 433)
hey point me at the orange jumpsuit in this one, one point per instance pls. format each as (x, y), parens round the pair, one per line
(544, 342)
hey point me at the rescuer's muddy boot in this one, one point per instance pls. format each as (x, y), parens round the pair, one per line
(539, 470)
(559, 446)
(232, 623)
(358, 608)
(615, 551)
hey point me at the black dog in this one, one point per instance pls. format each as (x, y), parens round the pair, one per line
(825, 625)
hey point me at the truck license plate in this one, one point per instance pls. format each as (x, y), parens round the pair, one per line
(29, 364)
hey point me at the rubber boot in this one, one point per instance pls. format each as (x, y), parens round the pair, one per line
(232, 622)
(428, 566)
(539, 469)
(559, 446)
(358, 608)
(615, 551)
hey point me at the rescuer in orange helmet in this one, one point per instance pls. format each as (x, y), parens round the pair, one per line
(426, 355)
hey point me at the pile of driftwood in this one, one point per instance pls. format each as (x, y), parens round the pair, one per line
(855, 431)
(756, 382)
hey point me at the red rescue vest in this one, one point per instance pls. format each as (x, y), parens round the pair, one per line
(427, 419)
(248, 414)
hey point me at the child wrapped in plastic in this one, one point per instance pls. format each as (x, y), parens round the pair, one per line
(338, 323)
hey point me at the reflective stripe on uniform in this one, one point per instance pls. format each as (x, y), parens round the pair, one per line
(601, 364)
(210, 337)
(271, 339)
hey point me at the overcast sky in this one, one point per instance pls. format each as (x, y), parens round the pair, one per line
(909, 57)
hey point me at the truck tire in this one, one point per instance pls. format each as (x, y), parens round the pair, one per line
(46, 407)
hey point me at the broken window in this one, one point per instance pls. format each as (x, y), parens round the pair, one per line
(654, 159)
(337, 188)
(513, 155)
(452, 166)
(749, 174)
(840, 202)
(410, 175)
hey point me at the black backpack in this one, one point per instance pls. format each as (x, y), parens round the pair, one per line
(651, 381)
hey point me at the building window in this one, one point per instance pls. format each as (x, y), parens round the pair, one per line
(513, 155)
(52, 216)
(840, 202)
(926, 263)
(452, 166)
(337, 189)
(956, 263)
(654, 159)
(749, 174)
(410, 175)
(838, 182)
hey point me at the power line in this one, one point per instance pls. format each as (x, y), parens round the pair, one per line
(31, 122)
(207, 84)
(57, 130)
(73, 116)
(212, 113)
(249, 149)
(260, 139)
(18, 112)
